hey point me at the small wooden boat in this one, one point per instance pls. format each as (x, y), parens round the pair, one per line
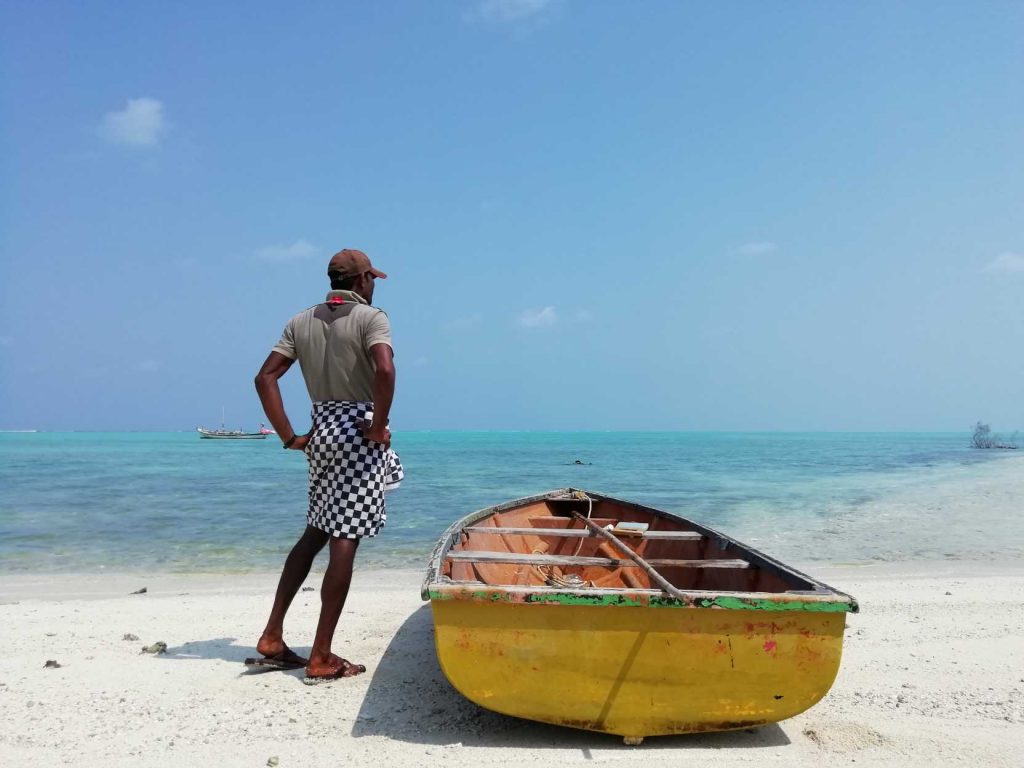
(229, 434)
(578, 609)
(224, 433)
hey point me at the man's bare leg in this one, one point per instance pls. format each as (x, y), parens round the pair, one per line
(337, 580)
(296, 569)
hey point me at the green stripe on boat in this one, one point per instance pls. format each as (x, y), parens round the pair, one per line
(626, 600)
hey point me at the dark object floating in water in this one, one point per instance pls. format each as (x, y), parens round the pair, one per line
(984, 438)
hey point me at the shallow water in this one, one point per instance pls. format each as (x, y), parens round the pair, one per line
(170, 501)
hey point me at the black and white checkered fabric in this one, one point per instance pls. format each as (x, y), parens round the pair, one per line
(348, 474)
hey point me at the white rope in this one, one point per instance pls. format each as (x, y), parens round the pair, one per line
(590, 507)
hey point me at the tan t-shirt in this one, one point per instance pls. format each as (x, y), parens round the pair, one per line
(332, 343)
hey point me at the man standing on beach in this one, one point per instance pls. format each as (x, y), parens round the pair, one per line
(344, 350)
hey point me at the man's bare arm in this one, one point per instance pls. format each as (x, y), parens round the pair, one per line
(383, 392)
(274, 367)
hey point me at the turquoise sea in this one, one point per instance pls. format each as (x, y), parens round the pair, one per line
(82, 502)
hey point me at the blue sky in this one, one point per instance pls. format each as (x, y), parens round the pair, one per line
(595, 215)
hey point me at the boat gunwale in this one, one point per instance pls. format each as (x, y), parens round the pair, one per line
(822, 597)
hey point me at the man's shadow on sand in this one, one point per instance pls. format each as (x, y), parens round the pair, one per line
(409, 699)
(215, 648)
(224, 648)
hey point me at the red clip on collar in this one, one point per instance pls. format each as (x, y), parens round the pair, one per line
(335, 300)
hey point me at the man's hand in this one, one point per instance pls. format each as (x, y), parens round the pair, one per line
(301, 441)
(378, 434)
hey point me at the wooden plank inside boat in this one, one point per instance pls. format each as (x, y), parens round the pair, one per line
(476, 556)
(554, 521)
(580, 533)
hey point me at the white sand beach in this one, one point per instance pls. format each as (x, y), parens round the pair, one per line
(933, 674)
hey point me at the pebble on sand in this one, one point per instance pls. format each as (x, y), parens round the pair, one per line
(272, 761)
(51, 664)
(129, 636)
(158, 647)
(140, 591)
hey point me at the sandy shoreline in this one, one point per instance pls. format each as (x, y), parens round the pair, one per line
(928, 678)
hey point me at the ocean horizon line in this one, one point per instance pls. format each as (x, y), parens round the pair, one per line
(427, 430)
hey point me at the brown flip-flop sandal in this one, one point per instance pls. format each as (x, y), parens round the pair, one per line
(343, 671)
(286, 659)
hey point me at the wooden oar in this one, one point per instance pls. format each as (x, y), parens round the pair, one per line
(655, 576)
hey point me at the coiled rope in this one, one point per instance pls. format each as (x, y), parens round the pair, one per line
(552, 575)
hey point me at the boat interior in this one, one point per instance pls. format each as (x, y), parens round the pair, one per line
(542, 544)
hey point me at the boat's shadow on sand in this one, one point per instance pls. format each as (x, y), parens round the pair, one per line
(409, 699)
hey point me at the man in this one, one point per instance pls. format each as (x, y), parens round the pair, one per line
(344, 350)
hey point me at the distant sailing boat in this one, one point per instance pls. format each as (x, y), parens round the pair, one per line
(231, 434)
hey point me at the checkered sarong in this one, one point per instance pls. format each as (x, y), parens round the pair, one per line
(348, 474)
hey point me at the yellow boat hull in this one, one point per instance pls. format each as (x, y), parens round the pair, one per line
(638, 671)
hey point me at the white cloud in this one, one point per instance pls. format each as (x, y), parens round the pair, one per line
(757, 248)
(300, 249)
(1006, 262)
(139, 124)
(504, 11)
(538, 318)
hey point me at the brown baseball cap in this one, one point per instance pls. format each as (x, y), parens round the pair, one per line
(351, 262)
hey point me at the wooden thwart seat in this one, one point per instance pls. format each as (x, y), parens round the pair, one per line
(532, 559)
(549, 521)
(581, 533)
